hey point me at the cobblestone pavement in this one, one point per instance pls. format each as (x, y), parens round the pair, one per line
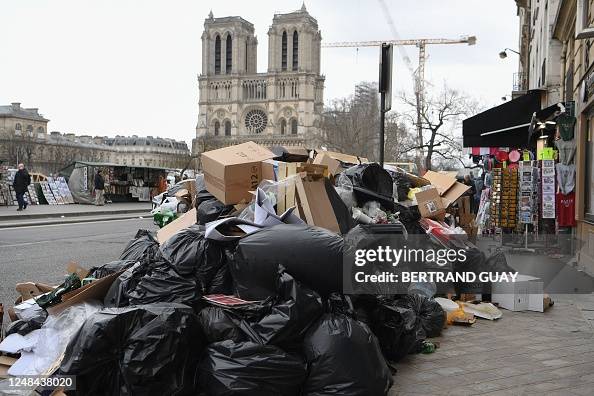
(523, 353)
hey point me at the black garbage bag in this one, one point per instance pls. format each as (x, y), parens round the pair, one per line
(312, 255)
(191, 254)
(219, 324)
(409, 216)
(429, 312)
(398, 329)
(343, 356)
(212, 209)
(221, 282)
(250, 369)
(143, 244)
(25, 326)
(140, 350)
(110, 268)
(146, 283)
(371, 182)
(282, 320)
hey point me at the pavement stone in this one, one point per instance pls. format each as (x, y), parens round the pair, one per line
(520, 354)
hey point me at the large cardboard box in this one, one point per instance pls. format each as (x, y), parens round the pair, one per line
(334, 165)
(525, 294)
(186, 220)
(230, 173)
(449, 189)
(430, 204)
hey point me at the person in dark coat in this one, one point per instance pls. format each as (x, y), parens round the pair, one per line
(22, 179)
(99, 187)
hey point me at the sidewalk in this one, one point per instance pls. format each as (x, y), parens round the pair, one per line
(72, 213)
(522, 353)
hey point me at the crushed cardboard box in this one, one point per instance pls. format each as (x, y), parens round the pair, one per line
(230, 173)
(184, 221)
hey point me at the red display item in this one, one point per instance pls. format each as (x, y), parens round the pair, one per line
(514, 156)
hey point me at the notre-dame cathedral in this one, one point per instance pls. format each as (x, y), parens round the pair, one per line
(280, 107)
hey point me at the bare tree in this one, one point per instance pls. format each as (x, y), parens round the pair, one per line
(441, 116)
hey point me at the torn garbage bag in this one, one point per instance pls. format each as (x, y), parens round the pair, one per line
(25, 326)
(430, 313)
(343, 356)
(140, 350)
(371, 182)
(143, 244)
(247, 368)
(312, 255)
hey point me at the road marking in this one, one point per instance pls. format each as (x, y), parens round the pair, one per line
(69, 223)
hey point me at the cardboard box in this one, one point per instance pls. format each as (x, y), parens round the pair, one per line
(95, 290)
(334, 165)
(346, 158)
(525, 294)
(184, 221)
(5, 363)
(230, 173)
(449, 189)
(430, 204)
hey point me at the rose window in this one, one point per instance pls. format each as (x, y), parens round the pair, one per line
(255, 121)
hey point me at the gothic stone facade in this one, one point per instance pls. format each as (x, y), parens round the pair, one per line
(280, 107)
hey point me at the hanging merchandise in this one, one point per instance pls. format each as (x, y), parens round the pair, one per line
(565, 209)
(514, 156)
(548, 189)
(526, 185)
(566, 125)
(565, 177)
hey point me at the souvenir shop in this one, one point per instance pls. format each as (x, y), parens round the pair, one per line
(527, 157)
(123, 183)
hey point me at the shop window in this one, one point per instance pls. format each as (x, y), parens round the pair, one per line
(283, 126)
(295, 50)
(227, 128)
(284, 52)
(217, 128)
(294, 126)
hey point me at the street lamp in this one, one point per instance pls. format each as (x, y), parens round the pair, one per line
(503, 54)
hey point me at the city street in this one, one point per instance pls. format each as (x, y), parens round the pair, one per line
(40, 253)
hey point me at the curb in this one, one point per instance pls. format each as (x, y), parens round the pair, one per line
(72, 214)
(75, 220)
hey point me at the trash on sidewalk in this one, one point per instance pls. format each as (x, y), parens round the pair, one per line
(245, 293)
(146, 349)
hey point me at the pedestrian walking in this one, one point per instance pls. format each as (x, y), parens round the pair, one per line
(22, 179)
(99, 187)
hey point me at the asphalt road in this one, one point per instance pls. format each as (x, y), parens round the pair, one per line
(40, 253)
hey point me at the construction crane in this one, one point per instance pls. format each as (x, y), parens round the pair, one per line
(417, 75)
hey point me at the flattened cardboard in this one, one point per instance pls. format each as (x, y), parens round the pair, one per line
(230, 173)
(315, 204)
(5, 363)
(184, 221)
(430, 204)
(95, 290)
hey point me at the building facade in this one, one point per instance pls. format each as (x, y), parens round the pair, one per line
(19, 120)
(24, 138)
(567, 69)
(236, 103)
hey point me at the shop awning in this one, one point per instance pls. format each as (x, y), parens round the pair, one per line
(503, 126)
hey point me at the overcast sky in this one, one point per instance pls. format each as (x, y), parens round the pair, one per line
(106, 67)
